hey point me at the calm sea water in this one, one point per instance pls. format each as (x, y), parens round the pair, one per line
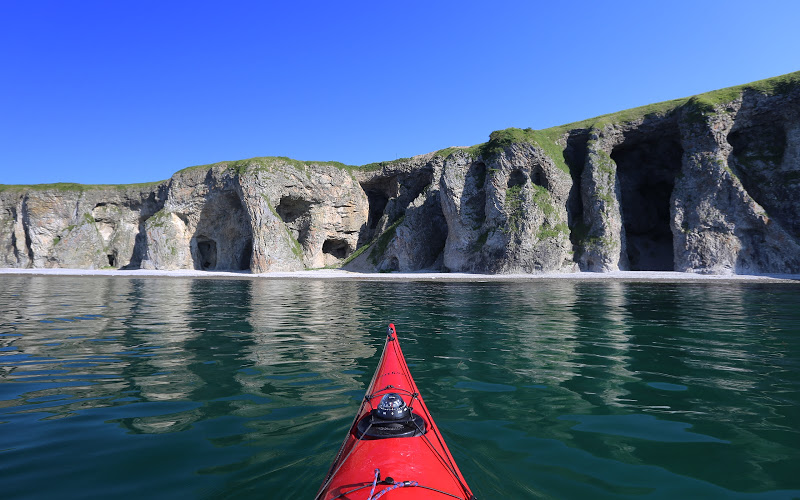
(181, 388)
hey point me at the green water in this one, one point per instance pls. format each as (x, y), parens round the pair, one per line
(172, 388)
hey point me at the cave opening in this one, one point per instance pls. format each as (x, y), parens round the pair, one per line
(291, 208)
(380, 191)
(296, 214)
(336, 247)
(207, 253)
(646, 170)
(223, 234)
(112, 260)
(247, 254)
(517, 178)
(377, 201)
(539, 178)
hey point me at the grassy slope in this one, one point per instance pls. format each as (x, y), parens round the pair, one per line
(545, 139)
(702, 103)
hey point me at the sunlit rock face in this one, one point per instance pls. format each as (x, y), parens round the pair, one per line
(259, 215)
(75, 226)
(706, 185)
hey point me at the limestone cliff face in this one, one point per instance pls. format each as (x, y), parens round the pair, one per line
(709, 184)
(77, 227)
(261, 215)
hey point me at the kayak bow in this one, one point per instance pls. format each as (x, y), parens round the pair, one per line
(394, 448)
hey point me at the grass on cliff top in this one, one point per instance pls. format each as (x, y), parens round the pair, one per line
(267, 163)
(74, 187)
(702, 103)
(546, 139)
(770, 86)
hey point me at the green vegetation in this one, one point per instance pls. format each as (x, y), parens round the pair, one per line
(73, 187)
(549, 231)
(446, 152)
(480, 242)
(382, 241)
(271, 208)
(297, 248)
(369, 167)
(513, 204)
(378, 245)
(350, 258)
(266, 163)
(158, 219)
(542, 199)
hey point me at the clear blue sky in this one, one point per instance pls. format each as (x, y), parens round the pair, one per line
(132, 91)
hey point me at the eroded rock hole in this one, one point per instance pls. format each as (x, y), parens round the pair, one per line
(517, 178)
(296, 213)
(646, 169)
(112, 260)
(538, 177)
(335, 247)
(207, 252)
(290, 208)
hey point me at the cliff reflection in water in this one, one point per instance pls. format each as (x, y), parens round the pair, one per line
(242, 386)
(150, 341)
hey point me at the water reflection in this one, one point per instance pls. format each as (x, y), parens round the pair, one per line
(245, 386)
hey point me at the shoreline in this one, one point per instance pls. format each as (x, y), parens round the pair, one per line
(341, 275)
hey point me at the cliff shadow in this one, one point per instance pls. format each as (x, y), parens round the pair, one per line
(473, 199)
(389, 197)
(575, 154)
(648, 162)
(379, 191)
(148, 207)
(766, 159)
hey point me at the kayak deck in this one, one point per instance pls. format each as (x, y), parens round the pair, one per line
(394, 449)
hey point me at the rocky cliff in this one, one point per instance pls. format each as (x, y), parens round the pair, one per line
(708, 184)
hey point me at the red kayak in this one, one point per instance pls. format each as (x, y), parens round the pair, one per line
(394, 449)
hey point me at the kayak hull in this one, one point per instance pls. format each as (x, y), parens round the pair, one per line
(418, 466)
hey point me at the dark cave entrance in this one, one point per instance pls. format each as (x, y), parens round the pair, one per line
(379, 192)
(207, 251)
(335, 247)
(112, 259)
(223, 239)
(517, 179)
(646, 169)
(290, 208)
(377, 204)
(247, 254)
